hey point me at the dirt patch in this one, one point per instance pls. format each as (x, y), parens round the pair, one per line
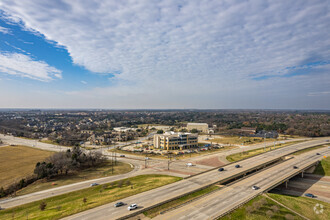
(211, 161)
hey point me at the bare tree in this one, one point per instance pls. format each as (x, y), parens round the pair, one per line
(275, 208)
(289, 217)
(269, 213)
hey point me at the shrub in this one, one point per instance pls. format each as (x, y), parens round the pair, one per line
(42, 206)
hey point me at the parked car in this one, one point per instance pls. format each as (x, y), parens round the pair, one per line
(317, 153)
(310, 195)
(221, 169)
(237, 166)
(132, 207)
(94, 184)
(118, 204)
(255, 187)
(147, 158)
(122, 155)
(295, 167)
(189, 164)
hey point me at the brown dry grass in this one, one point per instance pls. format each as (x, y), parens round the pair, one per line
(17, 162)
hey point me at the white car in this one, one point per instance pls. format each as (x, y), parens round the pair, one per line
(132, 207)
(94, 184)
(255, 187)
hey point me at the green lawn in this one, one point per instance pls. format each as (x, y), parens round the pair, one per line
(257, 208)
(304, 206)
(250, 153)
(323, 168)
(83, 175)
(71, 203)
(155, 211)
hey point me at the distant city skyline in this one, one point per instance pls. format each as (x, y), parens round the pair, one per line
(165, 54)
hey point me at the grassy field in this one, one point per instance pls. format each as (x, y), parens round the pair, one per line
(49, 142)
(261, 205)
(155, 211)
(323, 168)
(71, 203)
(250, 153)
(309, 149)
(18, 162)
(87, 174)
(239, 140)
(304, 206)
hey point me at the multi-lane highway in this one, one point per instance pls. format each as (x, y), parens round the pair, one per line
(168, 192)
(213, 205)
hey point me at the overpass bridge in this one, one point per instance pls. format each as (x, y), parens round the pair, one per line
(231, 197)
(176, 190)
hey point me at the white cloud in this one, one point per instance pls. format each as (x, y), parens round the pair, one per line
(4, 30)
(83, 82)
(184, 47)
(24, 66)
(318, 93)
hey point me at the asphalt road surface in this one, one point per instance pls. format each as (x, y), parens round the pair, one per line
(211, 206)
(161, 194)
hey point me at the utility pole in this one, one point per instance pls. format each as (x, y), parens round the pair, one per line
(145, 162)
(112, 162)
(265, 142)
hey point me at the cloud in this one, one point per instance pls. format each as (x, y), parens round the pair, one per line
(318, 93)
(83, 82)
(186, 47)
(4, 30)
(24, 66)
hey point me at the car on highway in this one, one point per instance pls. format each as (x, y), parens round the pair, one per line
(118, 204)
(255, 187)
(317, 153)
(295, 167)
(221, 169)
(122, 155)
(147, 158)
(132, 207)
(94, 184)
(310, 195)
(237, 166)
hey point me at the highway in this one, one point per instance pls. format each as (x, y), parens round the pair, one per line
(165, 193)
(213, 205)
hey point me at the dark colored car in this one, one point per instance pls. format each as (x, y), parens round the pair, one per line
(122, 155)
(221, 169)
(310, 195)
(118, 204)
(317, 153)
(295, 167)
(237, 166)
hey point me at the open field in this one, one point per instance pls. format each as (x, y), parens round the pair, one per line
(250, 153)
(87, 174)
(244, 212)
(155, 211)
(239, 140)
(323, 168)
(18, 162)
(304, 206)
(71, 203)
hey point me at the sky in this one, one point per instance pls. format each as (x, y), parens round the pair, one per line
(165, 54)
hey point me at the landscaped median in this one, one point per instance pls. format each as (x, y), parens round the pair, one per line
(70, 203)
(251, 153)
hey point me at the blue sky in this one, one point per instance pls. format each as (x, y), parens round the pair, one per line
(165, 54)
